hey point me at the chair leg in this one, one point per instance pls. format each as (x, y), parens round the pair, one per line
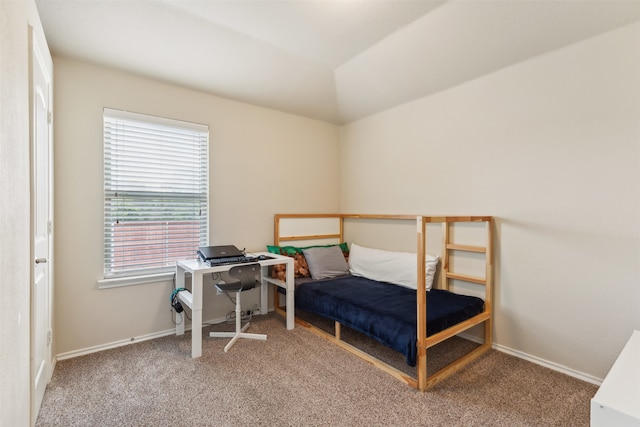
(240, 330)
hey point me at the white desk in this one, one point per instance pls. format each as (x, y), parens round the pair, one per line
(193, 300)
(617, 402)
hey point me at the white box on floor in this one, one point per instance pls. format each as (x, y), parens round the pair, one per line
(617, 401)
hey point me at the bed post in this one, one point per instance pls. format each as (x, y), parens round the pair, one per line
(488, 298)
(276, 242)
(444, 269)
(421, 308)
(276, 229)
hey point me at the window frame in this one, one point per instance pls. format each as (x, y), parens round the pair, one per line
(144, 194)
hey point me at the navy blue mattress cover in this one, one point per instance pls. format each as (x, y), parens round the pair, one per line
(383, 311)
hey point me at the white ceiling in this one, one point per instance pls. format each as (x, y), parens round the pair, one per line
(334, 60)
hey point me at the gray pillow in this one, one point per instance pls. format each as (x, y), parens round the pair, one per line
(325, 263)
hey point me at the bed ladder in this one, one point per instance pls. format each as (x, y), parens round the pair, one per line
(427, 381)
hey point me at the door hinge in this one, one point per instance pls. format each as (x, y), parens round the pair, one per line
(49, 336)
(49, 227)
(49, 117)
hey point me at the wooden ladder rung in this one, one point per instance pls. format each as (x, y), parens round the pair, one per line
(472, 279)
(467, 248)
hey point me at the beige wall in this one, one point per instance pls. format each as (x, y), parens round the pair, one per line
(551, 147)
(15, 259)
(261, 162)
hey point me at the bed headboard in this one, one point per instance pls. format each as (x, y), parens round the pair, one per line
(308, 229)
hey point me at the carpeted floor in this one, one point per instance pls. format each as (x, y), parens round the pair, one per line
(296, 378)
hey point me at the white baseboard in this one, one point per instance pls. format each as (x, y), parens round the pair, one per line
(120, 343)
(548, 364)
(538, 361)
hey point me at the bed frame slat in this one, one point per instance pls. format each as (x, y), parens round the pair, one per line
(363, 355)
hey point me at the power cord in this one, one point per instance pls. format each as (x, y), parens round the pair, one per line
(175, 303)
(246, 316)
(173, 318)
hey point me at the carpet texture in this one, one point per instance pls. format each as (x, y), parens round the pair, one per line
(296, 378)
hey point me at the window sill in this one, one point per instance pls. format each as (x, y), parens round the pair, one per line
(117, 282)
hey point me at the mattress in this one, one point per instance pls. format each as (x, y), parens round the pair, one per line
(383, 311)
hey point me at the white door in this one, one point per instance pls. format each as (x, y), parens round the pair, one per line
(40, 122)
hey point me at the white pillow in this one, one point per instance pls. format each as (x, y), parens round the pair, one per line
(398, 268)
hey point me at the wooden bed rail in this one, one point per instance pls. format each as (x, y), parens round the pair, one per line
(423, 381)
(309, 237)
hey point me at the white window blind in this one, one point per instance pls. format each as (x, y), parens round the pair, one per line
(155, 192)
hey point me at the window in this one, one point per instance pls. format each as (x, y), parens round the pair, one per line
(155, 192)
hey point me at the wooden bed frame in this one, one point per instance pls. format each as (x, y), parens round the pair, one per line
(421, 381)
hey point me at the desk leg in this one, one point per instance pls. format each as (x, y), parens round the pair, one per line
(290, 310)
(180, 318)
(264, 292)
(196, 333)
(196, 315)
(290, 297)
